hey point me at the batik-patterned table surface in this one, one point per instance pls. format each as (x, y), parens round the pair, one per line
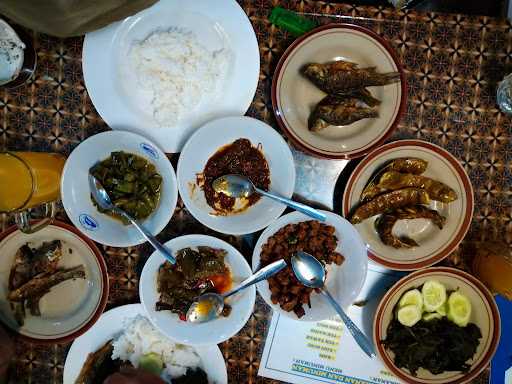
(452, 62)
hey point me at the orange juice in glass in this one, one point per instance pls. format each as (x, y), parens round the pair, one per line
(29, 180)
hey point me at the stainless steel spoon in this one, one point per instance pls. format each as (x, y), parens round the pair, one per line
(241, 186)
(210, 305)
(101, 197)
(311, 272)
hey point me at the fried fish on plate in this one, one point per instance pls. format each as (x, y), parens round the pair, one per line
(343, 76)
(388, 202)
(385, 223)
(343, 109)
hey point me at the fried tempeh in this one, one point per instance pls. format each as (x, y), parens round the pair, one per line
(388, 202)
(44, 282)
(436, 190)
(343, 76)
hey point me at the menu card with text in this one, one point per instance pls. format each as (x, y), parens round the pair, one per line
(324, 352)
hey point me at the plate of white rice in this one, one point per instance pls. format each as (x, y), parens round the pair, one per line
(134, 336)
(169, 69)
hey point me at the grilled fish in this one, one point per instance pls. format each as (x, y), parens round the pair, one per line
(343, 110)
(44, 282)
(403, 164)
(436, 190)
(343, 76)
(385, 223)
(389, 202)
(95, 364)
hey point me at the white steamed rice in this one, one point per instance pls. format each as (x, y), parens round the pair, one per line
(140, 337)
(178, 72)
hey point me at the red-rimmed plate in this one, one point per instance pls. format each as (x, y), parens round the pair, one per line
(434, 244)
(484, 314)
(294, 96)
(69, 308)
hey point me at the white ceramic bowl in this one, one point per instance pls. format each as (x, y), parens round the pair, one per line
(205, 143)
(212, 332)
(76, 196)
(344, 282)
(110, 325)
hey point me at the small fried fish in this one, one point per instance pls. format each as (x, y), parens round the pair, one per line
(343, 110)
(389, 202)
(344, 76)
(385, 223)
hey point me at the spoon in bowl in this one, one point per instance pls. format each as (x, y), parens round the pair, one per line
(210, 305)
(240, 186)
(100, 195)
(311, 272)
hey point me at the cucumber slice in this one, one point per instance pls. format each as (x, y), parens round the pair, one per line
(409, 315)
(434, 295)
(152, 363)
(412, 297)
(432, 316)
(442, 309)
(459, 309)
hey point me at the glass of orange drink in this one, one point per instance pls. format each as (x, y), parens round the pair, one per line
(29, 180)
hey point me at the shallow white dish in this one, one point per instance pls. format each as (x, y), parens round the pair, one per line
(110, 324)
(71, 307)
(212, 332)
(76, 196)
(116, 95)
(344, 282)
(434, 243)
(205, 143)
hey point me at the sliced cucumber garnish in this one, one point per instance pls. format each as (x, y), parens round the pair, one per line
(434, 295)
(442, 309)
(409, 315)
(431, 316)
(152, 363)
(459, 309)
(412, 297)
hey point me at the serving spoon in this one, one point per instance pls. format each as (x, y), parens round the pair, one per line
(100, 195)
(311, 272)
(210, 305)
(240, 186)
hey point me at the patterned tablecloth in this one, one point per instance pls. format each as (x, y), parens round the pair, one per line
(453, 63)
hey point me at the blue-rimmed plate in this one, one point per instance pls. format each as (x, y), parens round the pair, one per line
(76, 195)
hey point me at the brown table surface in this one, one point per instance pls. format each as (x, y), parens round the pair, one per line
(452, 62)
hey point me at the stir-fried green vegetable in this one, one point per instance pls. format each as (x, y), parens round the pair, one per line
(132, 183)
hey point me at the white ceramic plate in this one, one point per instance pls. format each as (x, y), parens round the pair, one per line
(344, 282)
(71, 307)
(76, 196)
(434, 244)
(116, 95)
(212, 332)
(110, 324)
(294, 96)
(205, 143)
(484, 314)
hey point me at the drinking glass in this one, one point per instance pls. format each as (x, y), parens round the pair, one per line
(29, 180)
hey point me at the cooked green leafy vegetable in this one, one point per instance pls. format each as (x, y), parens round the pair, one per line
(132, 183)
(438, 345)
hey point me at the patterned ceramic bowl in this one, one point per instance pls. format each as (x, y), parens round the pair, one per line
(484, 314)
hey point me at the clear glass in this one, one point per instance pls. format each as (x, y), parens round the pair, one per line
(504, 94)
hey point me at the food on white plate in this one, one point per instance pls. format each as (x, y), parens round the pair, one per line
(132, 183)
(197, 271)
(242, 158)
(34, 273)
(313, 237)
(431, 329)
(178, 72)
(11, 53)
(142, 346)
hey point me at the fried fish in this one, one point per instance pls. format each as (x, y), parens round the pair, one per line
(343, 76)
(385, 223)
(388, 202)
(96, 363)
(343, 110)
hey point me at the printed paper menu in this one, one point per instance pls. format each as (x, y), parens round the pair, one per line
(324, 352)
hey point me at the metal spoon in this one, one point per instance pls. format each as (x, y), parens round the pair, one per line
(241, 186)
(210, 305)
(311, 272)
(101, 197)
